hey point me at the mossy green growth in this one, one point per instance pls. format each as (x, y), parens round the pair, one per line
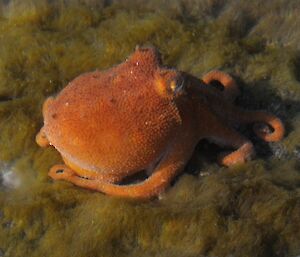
(248, 210)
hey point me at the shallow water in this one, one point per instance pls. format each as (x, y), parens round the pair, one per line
(247, 210)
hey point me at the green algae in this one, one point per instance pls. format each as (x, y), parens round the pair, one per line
(247, 210)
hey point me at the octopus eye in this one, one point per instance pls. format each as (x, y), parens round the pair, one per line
(177, 86)
(169, 83)
(173, 85)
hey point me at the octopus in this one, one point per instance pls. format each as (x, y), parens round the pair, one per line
(143, 116)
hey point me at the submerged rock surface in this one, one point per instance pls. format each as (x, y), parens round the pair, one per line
(247, 210)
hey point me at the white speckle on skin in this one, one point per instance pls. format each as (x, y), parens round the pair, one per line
(137, 63)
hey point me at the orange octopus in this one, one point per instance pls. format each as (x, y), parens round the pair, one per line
(140, 115)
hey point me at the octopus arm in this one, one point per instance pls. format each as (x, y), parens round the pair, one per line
(170, 165)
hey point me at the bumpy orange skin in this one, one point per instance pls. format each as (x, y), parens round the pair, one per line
(139, 116)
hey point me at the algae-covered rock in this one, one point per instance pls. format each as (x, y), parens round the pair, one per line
(247, 210)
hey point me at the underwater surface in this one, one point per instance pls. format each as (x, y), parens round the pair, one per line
(246, 210)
